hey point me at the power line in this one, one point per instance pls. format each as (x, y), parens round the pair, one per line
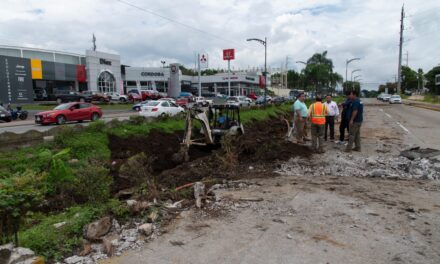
(176, 22)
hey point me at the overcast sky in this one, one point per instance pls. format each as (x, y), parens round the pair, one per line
(367, 29)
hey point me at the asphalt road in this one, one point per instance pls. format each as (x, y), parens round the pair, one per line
(24, 126)
(422, 125)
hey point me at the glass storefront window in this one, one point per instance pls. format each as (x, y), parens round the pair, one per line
(106, 82)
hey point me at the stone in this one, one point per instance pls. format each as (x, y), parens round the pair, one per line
(124, 246)
(59, 225)
(146, 229)
(86, 248)
(289, 236)
(34, 260)
(74, 259)
(152, 217)
(97, 229)
(199, 192)
(20, 254)
(108, 247)
(5, 252)
(378, 173)
(116, 226)
(131, 203)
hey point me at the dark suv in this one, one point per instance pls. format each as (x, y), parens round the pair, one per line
(71, 96)
(95, 96)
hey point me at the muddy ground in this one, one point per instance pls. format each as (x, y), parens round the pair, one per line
(283, 213)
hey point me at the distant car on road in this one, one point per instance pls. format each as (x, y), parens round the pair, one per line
(71, 96)
(395, 99)
(5, 115)
(117, 97)
(260, 100)
(386, 97)
(239, 101)
(202, 101)
(160, 108)
(69, 112)
(278, 100)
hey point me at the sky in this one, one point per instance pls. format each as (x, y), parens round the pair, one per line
(175, 31)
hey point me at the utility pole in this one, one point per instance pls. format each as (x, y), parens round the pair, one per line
(287, 71)
(399, 69)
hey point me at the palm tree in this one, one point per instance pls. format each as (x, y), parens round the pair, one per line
(319, 72)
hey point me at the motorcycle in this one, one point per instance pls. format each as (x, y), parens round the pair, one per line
(19, 113)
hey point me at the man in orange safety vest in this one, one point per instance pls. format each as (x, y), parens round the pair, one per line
(317, 113)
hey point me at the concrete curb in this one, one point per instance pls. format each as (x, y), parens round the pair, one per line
(422, 105)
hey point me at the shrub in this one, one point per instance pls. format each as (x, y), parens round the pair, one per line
(92, 184)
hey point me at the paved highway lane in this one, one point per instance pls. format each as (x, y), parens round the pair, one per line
(421, 124)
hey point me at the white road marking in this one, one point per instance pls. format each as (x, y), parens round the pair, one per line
(388, 115)
(404, 128)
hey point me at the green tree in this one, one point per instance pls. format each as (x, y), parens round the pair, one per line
(392, 87)
(319, 74)
(430, 78)
(209, 72)
(409, 79)
(420, 79)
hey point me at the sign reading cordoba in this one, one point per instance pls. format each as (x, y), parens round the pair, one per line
(148, 74)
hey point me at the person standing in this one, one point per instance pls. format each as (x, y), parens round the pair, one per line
(317, 113)
(356, 113)
(344, 120)
(299, 117)
(332, 113)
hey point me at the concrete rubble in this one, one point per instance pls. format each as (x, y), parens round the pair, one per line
(397, 167)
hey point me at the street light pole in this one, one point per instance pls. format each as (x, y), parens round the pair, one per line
(264, 43)
(353, 71)
(346, 66)
(163, 67)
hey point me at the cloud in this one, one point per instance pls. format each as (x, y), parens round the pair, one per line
(297, 29)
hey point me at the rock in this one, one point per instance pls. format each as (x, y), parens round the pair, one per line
(152, 217)
(289, 236)
(146, 229)
(20, 254)
(94, 231)
(199, 192)
(48, 138)
(5, 252)
(379, 173)
(34, 260)
(73, 161)
(86, 248)
(116, 226)
(75, 259)
(124, 246)
(109, 248)
(251, 167)
(59, 225)
(131, 203)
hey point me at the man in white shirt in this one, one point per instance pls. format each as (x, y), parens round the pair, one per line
(332, 113)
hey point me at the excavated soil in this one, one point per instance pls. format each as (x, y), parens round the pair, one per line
(259, 150)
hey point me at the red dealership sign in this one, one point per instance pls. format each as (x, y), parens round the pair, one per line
(228, 54)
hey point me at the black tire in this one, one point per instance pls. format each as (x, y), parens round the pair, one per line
(59, 100)
(123, 100)
(137, 108)
(95, 117)
(82, 100)
(61, 120)
(23, 116)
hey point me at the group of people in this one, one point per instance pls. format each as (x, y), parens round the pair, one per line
(322, 117)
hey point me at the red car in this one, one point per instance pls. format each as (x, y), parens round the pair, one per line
(253, 96)
(69, 112)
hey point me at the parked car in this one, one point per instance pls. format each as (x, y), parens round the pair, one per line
(202, 101)
(172, 100)
(137, 107)
(97, 97)
(71, 96)
(278, 100)
(395, 99)
(183, 102)
(386, 97)
(252, 96)
(260, 100)
(237, 101)
(150, 95)
(69, 112)
(160, 108)
(245, 98)
(117, 97)
(5, 115)
(380, 96)
(134, 97)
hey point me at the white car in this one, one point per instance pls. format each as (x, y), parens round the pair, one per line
(238, 101)
(117, 97)
(202, 101)
(386, 97)
(160, 108)
(395, 99)
(172, 100)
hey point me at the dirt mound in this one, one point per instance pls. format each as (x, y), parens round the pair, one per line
(159, 146)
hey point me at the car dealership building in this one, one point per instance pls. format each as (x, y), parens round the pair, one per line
(28, 74)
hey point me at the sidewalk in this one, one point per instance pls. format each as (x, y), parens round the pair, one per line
(32, 121)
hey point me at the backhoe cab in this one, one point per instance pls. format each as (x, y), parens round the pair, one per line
(217, 121)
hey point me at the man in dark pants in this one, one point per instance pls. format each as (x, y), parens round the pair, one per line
(344, 121)
(356, 114)
(332, 113)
